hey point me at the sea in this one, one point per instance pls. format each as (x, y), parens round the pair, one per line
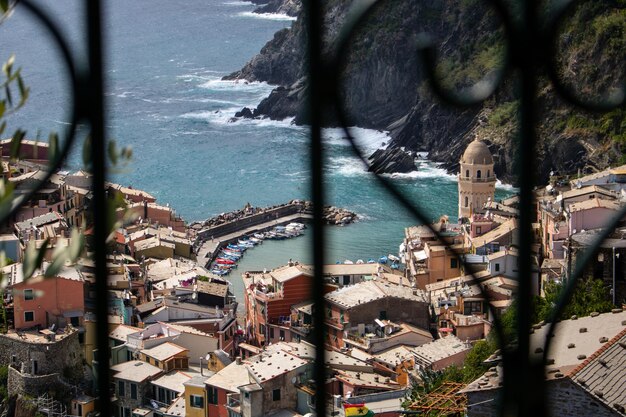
(164, 63)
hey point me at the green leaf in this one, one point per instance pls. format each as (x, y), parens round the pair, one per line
(58, 261)
(16, 143)
(87, 153)
(33, 258)
(112, 151)
(4, 5)
(7, 93)
(53, 147)
(77, 242)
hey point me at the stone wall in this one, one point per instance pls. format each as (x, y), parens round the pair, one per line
(236, 225)
(35, 385)
(63, 357)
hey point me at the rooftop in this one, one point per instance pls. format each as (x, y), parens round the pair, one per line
(477, 152)
(602, 374)
(440, 349)
(164, 351)
(368, 291)
(122, 331)
(173, 381)
(230, 378)
(574, 341)
(134, 371)
(268, 366)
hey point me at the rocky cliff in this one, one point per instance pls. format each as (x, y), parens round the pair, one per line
(383, 84)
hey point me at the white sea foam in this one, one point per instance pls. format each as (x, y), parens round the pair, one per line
(347, 166)
(267, 16)
(237, 3)
(213, 83)
(507, 187)
(226, 116)
(124, 94)
(368, 140)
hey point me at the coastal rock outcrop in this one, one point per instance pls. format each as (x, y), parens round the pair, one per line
(392, 160)
(287, 7)
(384, 87)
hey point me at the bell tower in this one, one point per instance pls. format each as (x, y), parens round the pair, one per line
(477, 181)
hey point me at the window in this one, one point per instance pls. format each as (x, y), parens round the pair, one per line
(29, 316)
(282, 335)
(75, 321)
(271, 333)
(478, 174)
(497, 267)
(29, 295)
(466, 201)
(382, 315)
(276, 394)
(196, 401)
(127, 412)
(133, 391)
(488, 173)
(454, 263)
(121, 388)
(467, 173)
(211, 395)
(478, 230)
(470, 307)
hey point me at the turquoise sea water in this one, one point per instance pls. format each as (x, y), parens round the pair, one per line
(166, 99)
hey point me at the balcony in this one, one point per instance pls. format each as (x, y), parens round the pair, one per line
(267, 296)
(466, 179)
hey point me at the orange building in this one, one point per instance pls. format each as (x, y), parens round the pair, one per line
(45, 301)
(270, 295)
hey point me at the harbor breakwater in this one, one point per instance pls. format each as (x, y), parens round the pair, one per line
(249, 216)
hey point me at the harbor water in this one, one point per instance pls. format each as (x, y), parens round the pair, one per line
(166, 99)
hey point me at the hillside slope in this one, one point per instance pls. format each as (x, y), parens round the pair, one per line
(384, 86)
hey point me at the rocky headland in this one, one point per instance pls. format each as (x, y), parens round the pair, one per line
(384, 86)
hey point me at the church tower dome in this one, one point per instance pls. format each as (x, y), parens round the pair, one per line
(477, 181)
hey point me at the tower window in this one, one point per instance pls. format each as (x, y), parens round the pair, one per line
(466, 201)
(467, 173)
(478, 174)
(488, 173)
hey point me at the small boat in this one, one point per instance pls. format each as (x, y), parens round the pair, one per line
(393, 258)
(395, 266)
(259, 236)
(296, 226)
(371, 261)
(360, 262)
(235, 247)
(348, 262)
(225, 261)
(383, 259)
(255, 240)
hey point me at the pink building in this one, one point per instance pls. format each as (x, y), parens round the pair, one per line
(45, 301)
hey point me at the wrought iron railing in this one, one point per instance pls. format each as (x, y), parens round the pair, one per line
(531, 45)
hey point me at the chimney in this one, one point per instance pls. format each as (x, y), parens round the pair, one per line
(238, 360)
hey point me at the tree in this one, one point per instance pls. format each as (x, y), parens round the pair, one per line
(590, 295)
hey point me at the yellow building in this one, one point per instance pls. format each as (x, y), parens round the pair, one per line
(477, 181)
(195, 397)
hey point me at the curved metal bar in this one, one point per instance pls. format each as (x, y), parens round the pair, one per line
(581, 264)
(416, 213)
(610, 101)
(68, 59)
(337, 66)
